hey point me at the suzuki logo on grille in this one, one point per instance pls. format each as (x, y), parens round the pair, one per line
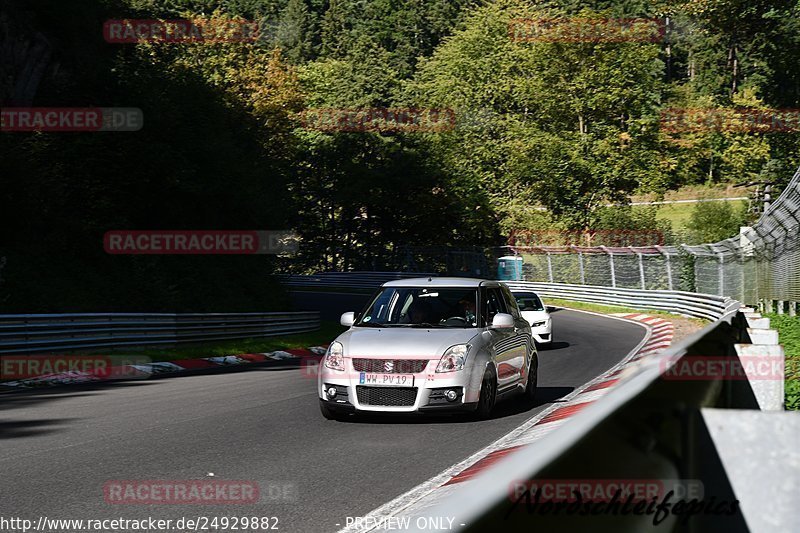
(388, 366)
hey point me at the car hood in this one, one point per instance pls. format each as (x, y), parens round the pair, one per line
(402, 343)
(535, 316)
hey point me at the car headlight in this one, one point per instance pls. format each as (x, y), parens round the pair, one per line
(537, 324)
(453, 358)
(334, 357)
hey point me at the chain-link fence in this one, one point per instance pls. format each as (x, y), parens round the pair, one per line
(762, 264)
(759, 266)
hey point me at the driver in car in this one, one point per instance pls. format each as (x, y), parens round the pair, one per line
(468, 310)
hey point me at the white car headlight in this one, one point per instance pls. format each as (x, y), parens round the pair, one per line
(453, 358)
(537, 324)
(334, 357)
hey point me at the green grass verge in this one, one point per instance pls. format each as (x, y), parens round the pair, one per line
(680, 214)
(600, 308)
(789, 336)
(327, 332)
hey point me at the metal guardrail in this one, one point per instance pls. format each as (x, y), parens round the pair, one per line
(647, 427)
(706, 306)
(43, 333)
(348, 280)
(654, 426)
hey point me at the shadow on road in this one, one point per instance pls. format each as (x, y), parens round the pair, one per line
(28, 428)
(31, 397)
(511, 406)
(551, 394)
(555, 345)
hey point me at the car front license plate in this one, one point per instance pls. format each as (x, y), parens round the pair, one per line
(402, 380)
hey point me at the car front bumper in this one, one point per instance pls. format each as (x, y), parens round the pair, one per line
(543, 334)
(426, 394)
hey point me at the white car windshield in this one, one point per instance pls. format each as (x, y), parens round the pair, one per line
(422, 307)
(528, 301)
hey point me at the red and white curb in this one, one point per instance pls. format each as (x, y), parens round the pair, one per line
(415, 503)
(149, 370)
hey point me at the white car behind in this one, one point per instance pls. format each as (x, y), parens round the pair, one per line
(535, 312)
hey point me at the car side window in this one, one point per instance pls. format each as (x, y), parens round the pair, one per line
(493, 304)
(511, 302)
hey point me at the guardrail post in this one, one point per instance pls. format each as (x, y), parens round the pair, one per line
(762, 352)
(549, 267)
(641, 271)
(580, 264)
(721, 274)
(611, 267)
(667, 265)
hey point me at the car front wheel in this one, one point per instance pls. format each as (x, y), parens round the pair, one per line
(487, 397)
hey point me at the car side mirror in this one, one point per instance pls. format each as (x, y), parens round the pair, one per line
(348, 319)
(502, 321)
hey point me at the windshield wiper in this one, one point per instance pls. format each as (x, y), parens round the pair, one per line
(426, 325)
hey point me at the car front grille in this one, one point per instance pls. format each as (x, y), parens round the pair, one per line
(390, 366)
(387, 396)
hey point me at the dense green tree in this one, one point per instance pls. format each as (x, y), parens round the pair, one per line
(567, 126)
(714, 221)
(573, 123)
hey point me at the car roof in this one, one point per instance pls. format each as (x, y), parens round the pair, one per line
(442, 282)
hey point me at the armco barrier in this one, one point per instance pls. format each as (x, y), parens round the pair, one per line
(724, 435)
(347, 280)
(48, 332)
(692, 304)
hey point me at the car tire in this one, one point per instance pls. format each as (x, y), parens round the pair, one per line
(533, 380)
(328, 413)
(488, 396)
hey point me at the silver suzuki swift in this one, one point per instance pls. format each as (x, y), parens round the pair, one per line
(430, 344)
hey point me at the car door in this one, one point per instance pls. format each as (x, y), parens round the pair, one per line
(504, 341)
(523, 340)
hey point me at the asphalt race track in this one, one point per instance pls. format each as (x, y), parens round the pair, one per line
(59, 448)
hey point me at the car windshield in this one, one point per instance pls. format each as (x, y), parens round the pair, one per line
(422, 307)
(528, 301)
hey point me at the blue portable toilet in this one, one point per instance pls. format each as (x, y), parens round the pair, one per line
(509, 268)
